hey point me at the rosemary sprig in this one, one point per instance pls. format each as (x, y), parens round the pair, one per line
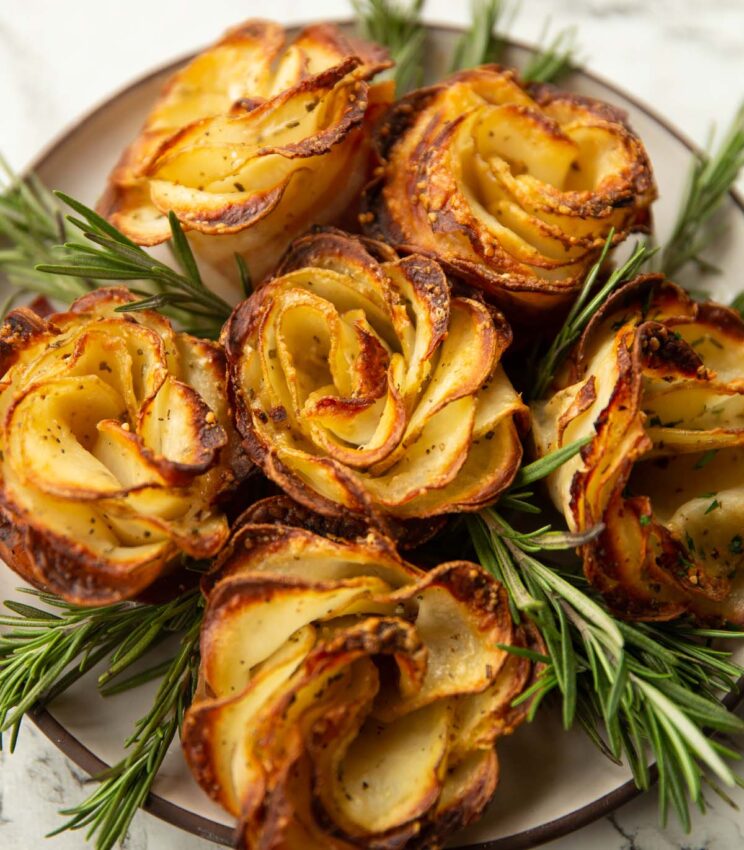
(711, 176)
(45, 254)
(482, 42)
(46, 650)
(634, 688)
(108, 811)
(554, 59)
(396, 24)
(585, 306)
(113, 256)
(31, 224)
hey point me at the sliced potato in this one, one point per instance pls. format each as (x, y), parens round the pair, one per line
(112, 459)
(362, 385)
(513, 188)
(348, 698)
(657, 383)
(253, 142)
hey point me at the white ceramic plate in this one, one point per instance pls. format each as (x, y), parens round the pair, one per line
(552, 782)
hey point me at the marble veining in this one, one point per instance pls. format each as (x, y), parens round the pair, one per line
(684, 57)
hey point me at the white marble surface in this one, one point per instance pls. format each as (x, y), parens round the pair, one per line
(684, 57)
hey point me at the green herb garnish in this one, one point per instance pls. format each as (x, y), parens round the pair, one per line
(585, 306)
(31, 225)
(705, 459)
(43, 651)
(636, 689)
(481, 42)
(711, 177)
(113, 256)
(397, 25)
(109, 810)
(556, 58)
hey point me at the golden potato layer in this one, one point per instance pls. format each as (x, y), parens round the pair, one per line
(513, 188)
(657, 383)
(250, 144)
(368, 711)
(361, 384)
(112, 431)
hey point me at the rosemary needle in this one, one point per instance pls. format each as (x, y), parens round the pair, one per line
(108, 811)
(634, 688)
(554, 59)
(397, 25)
(481, 42)
(711, 177)
(43, 651)
(585, 306)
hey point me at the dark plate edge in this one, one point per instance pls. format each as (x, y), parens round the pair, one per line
(219, 833)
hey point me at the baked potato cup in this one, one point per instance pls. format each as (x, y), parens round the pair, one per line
(361, 384)
(113, 432)
(657, 382)
(513, 188)
(347, 698)
(250, 144)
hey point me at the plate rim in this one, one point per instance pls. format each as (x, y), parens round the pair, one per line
(214, 831)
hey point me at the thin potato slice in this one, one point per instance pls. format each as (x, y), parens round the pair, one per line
(253, 142)
(513, 188)
(112, 458)
(362, 385)
(348, 698)
(657, 383)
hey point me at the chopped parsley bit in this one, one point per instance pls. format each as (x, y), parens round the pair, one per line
(690, 543)
(712, 506)
(645, 519)
(706, 459)
(686, 568)
(685, 562)
(736, 546)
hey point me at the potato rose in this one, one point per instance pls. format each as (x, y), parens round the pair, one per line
(254, 141)
(657, 382)
(348, 699)
(514, 189)
(361, 385)
(110, 463)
